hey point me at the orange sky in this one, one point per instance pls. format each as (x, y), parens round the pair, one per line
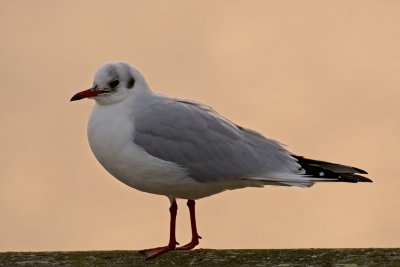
(319, 76)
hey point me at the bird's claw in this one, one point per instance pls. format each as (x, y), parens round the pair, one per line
(155, 252)
(192, 244)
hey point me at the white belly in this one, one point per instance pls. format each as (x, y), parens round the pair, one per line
(111, 140)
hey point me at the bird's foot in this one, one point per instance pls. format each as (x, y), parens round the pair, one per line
(151, 253)
(192, 244)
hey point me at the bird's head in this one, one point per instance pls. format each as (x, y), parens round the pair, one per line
(114, 82)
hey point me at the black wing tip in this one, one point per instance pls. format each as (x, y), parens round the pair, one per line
(360, 170)
(349, 175)
(353, 178)
(365, 180)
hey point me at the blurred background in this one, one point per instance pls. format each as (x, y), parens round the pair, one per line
(319, 76)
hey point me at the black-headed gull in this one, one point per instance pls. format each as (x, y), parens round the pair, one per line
(183, 149)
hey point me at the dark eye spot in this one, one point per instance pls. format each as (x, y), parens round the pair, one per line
(113, 84)
(130, 83)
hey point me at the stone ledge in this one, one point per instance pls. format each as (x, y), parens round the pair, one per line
(210, 257)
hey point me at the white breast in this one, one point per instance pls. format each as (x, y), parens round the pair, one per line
(111, 134)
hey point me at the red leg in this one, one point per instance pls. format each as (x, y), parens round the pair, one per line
(154, 252)
(195, 236)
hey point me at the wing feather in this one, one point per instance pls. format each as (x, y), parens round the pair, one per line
(208, 146)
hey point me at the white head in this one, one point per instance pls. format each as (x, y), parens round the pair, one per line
(114, 82)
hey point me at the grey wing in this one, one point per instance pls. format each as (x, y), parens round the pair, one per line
(208, 146)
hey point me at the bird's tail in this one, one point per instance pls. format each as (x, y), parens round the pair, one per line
(314, 171)
(336, 172)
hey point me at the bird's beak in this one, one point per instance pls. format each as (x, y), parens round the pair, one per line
(85, 94)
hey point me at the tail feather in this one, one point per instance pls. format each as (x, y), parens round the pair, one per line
(323, 169)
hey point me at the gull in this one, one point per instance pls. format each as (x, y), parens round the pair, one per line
(183, 149)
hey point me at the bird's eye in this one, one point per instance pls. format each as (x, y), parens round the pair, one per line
(113, 84)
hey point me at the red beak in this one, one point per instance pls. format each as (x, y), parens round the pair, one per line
(84, 94)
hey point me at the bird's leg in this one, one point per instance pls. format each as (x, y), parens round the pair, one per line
(154, 252)
(195, 236)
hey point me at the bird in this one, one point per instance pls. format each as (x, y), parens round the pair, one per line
(183, 149)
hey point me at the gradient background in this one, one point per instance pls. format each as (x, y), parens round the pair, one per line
(320, 76)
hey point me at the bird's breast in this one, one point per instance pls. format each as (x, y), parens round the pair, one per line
(110, 135)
